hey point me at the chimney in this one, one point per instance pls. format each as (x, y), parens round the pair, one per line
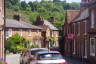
(39, 20)
(16, 17)
(52, 20)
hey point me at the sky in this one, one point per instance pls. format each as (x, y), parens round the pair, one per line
(66, 0)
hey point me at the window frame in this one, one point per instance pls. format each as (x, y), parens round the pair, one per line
(29, 33)
(92, 19)
(91, 52)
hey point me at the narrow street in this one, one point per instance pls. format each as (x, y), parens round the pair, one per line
(13, 59)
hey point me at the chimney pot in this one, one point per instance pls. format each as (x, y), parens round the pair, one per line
(16, 17)
(52, 20)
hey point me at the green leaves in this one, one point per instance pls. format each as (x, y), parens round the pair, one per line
(14, 43)
(45, 8)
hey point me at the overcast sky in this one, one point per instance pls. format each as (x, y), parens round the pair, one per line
(66, 0)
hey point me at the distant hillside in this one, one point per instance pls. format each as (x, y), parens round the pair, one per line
(46, 9)
(24, 16)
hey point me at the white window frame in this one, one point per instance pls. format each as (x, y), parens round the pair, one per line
(56, 34)
(85, 27)
(30, 33)
(85, 49)
(91, 52)
(74, 28)
(48, 33)
(78, 28)
(37, 33)
(9, 32)
(52, 34)
(92, 19)
(21, 32)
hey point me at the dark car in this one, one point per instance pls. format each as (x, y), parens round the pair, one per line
(54, 48)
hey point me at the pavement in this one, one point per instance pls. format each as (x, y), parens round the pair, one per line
(13, 59)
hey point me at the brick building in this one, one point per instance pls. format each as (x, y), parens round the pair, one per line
(49, 30)
(26, 30)
(1, 29)
(71, 14)
(83, 29)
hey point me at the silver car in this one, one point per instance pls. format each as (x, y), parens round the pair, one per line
(28, 55)
(48, 57)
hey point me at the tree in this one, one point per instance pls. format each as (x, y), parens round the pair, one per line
(24, 5)
(56, 1)
(14, 43)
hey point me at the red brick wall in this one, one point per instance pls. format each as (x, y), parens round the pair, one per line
(25, 33)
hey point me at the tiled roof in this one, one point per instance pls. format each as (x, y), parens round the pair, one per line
(83, 15)
(71, 14)
(11, 23)
(47, 23)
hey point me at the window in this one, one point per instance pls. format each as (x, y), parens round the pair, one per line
(20, 32)
(48, 33)
(52, 34)
(78, 28)
(30, 33)
(56, 34)
(74, 28)
(85, 27)
(92, 47)
(37, 33)
(85, 49)
(74, 47)
(92, 19)
(8, 33)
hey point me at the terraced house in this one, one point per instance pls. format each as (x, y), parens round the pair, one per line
(1, 28)
(49, 31)
(26, 30)
(83, 30)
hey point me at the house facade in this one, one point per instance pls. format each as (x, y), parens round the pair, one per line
(83, 29)
(71, 14)
(28, 31)
(49, 32)
(1, 29)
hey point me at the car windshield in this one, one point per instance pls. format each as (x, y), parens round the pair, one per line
(33, 52)
(50, 56)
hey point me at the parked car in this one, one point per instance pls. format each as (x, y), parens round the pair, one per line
(28, 55)
(54, 48)
(48, 57)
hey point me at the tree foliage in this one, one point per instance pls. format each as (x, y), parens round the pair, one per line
(14, 43)
(45, 8)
